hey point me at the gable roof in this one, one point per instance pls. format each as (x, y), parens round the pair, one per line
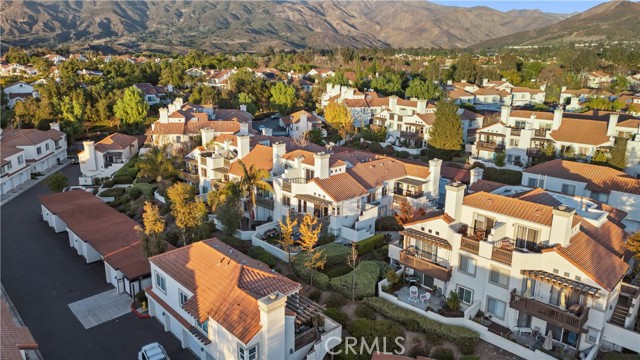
(225, 284)
(508, 206)
(13, 337)
(260, 156)
(581, 131)
(598, 178)
(485, 185)
(29, 137)
(340, 187)
(116, 141)
(295, 118)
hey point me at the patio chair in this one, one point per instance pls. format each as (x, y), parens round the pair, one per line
(425, 298)
(413, 294)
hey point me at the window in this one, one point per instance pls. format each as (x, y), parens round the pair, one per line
(204, 326)
(568, 189)
(20, 160)
(521, 124)
(526, 238)
(499, 276)
(248, 354)
(536, 182)
(496, 307)
(286, 201)
(46, 146)
(183, 297)
(600, 196)
(514, 142)
(384, 190)
(161, 283)
(468, 265)
(465, 295)
(593, 336)
(203, 172)
(38, 150)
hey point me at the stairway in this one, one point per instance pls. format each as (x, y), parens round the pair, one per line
(620, 312)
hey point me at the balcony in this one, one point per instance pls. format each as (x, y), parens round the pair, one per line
(565, 319)
(411, 135)
(516, 132)
(470, 244)
(502, 255)
(286, 183)
(306, 337)
(534, 152)
(489, 146)
(407, 193)
(426, 263)
(542, 133)
(263, 202)
(189, 177)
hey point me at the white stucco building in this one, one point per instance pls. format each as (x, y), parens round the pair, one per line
(104, 158)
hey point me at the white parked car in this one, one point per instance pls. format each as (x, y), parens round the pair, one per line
(153, 351)
(76, 187)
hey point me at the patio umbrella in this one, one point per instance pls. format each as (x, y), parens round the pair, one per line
(527, 290)
(548, 343)
(563, 299)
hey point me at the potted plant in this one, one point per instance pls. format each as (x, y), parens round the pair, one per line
(319, 321)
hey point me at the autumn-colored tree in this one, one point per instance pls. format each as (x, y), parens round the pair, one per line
(406, 213)
(633, 244)
(252, 178)
(352, 262)
(188, 212)
(339, 117)
(286, 234)
(230, 191)
(152, 241)
(309, 232)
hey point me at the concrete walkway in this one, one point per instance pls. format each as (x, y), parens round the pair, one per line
(101, 308)
(4, 199)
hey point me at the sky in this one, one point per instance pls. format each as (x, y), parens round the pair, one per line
(564, 7)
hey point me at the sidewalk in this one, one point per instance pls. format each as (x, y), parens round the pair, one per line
(4, 199)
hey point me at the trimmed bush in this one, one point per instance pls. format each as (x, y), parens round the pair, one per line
(336, 253)
(443, 353)
(336, 315)
(234, 242)
(375, 147)
(366, 278)
(115, 192)
(465, 339)
(388, 150)
(505, 176)
(336, 300)
(365, 312)
(263, 255)
(372, 330)
(320, 280)
(388, 223)
(124, 179)
(135, 193)
(314, 295)
(403, 154)
(470, 357)
(368, 244)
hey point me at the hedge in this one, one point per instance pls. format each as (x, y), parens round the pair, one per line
(336, 300)
(336, 315)
(335, 253)
(263, 255)
(234, 242)
(366, 278)
(388, 223)
(465, 339)
(115, 192)
(320, 280)
(380, 330)
(368, 244)
(505, 176)
(123, 179)
(365, 312)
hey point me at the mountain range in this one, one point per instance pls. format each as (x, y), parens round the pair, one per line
(167, 26)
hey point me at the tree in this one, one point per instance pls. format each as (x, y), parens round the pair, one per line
(57, 182)
(252, 179)
(633, 244)
(499, 159)
(314, 136)
(286, 234)
(421, 89)
(618, 158)
(153, 243)
(465, 68)
(229, 213)
(406, 213)
(309, 232)
(338, 79)
(352, 262)
(230, 191)
(247, 99)
(339, 117)
(188, 212)
(155, 164)
(388, 84)
(446, 132)
(283, 97)
(132, 109)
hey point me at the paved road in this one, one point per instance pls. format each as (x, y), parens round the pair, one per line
(42, 275)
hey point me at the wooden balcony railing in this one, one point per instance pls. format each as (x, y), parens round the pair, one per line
(502, 255)
(411, 134)
(409, 193)
(425, 265)
(550, 313)
(540, 133)
(192, 178)
(286, 183)
(470, 244)
(489, 146)
(516, 132)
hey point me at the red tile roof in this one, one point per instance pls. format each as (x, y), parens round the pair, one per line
(341, 187)
(13, 337)
(485, 185)
(260, 156)
(581, 131)
(116, 141)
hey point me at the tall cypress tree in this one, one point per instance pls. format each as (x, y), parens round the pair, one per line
(446, 132)
(618, 157)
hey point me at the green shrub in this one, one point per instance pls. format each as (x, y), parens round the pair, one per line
(380, 254)
(337, 270)
(452, 302)
(141, 296)
(314, 295)
(336, 253)
(372, 330)
(135, 193)
(505, 176)
(403, 154)
(123, 179)
(388, 150)
(366, 279)
(326, 239)
(234, 242)
(375, 147)
(470, 357)
(108, 183)
(499, 159)
(263, 255)
(368, 244)
(337, 316)
(365, 312)
(443, 353)
(464, 338)
(320, 280)
(388, 223)
(115, 192)
(336, 300)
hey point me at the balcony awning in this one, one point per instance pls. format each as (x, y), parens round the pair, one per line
(222, 170)
(304, 308)
(313, 199)
(560, 281)
(422, 236)
(410, 181)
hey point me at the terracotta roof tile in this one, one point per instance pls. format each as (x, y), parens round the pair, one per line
(485, 185)
(13, 337)
(116, 141)
(226, 284)
(295, 118)
(28, 137)
(517, 208)
(260, 156)
(598, 178)
(581, 131)
(455, 174)
(373, 173)
(544, 115)
(341, 187)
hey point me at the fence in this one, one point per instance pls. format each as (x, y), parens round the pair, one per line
(273, 250)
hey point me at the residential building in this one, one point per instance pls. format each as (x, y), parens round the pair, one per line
(104, 158)
(15, 170)
(154, 94)
(18, 91)
(7, 69)
(98, 232)
(598, 79)
(298, 123)
(533, 261)
(491, 95)
(16, 340)
(320, 73)
(40, 149)
(55, 58)
(222, 304)
(573, 99)
(599, 183)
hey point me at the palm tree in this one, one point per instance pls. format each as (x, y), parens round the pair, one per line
(230, 191)
(155, 163)
(251, 179)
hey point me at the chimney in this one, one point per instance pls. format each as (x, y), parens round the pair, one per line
(244, 129)
(435, 167)
(613, 122)
(393, 103)
(561, 224)
(279, 149)
(505, 114)
(453, 199)
(449, 82)
(207, 134)
(485, 81)
(563, 89)
(304, 125)
(179, 103)
(267, 131)
(476, 174)
(170, 88)
(543, 87)
(321, 165)
(422, 107)
(244, 145)
(243, 107)
(557, 118)
(349, 93)
(89, 156)
(55, 126)
(272, 320)
(164, 115)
